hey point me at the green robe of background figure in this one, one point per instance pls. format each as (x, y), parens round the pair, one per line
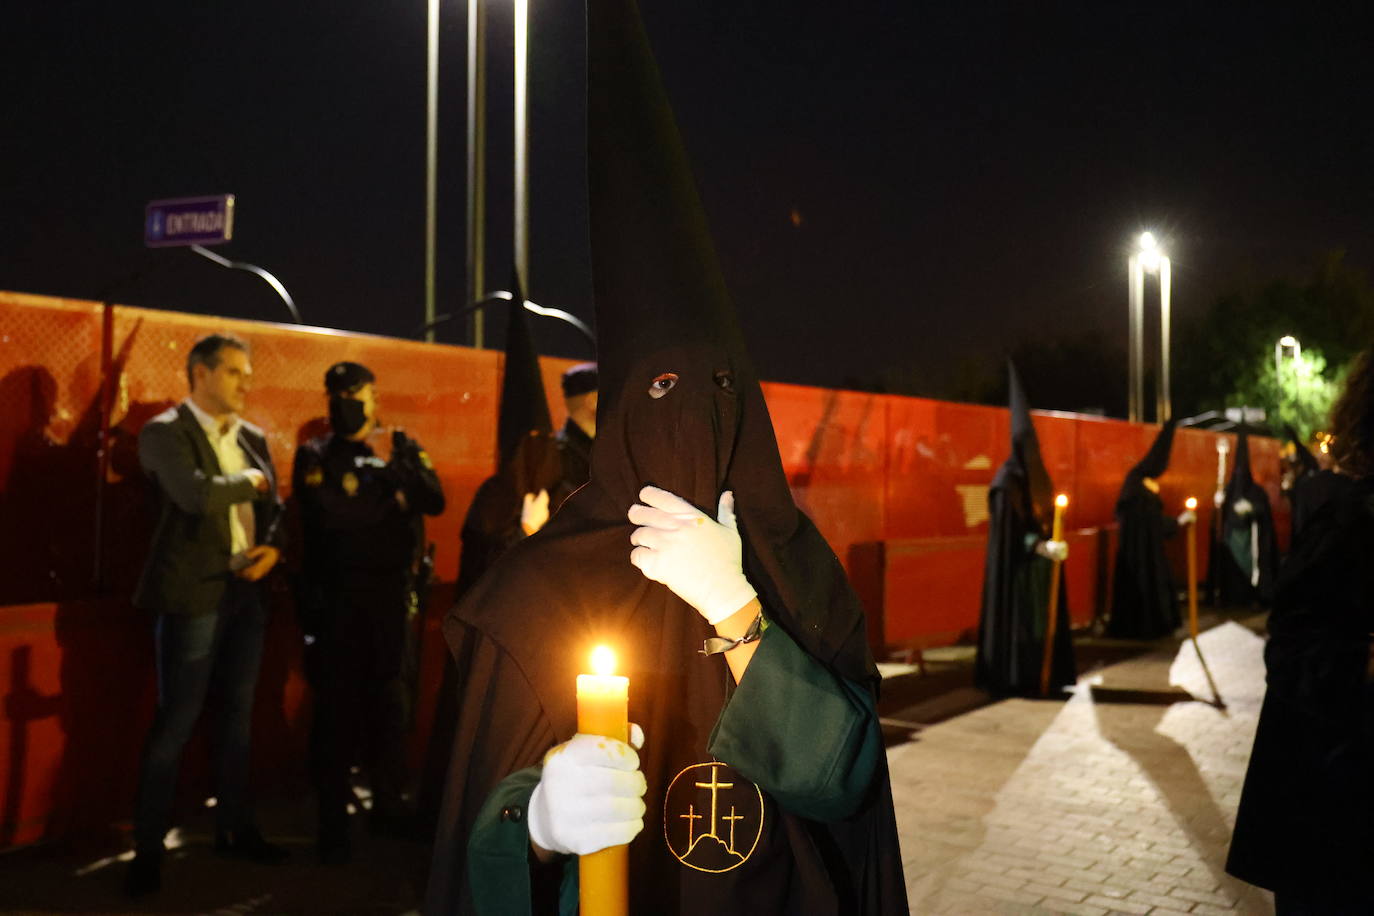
(1016, 579)
(1250, 558)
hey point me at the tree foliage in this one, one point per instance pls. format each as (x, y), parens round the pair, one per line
(1226, 356)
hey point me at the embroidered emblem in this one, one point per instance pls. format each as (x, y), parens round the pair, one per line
(349, 483)
(314, 477)
(712, 818)
(424, 459)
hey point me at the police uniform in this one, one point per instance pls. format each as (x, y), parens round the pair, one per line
(573, 444)
(360, 546)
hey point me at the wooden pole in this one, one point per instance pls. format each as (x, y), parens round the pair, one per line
(1052, 611)
(1191, 504)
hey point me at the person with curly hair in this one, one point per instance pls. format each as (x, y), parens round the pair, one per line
(1305, 826)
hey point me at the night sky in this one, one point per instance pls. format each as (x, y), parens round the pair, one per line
(894, 187)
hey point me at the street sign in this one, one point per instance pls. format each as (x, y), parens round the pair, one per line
(189, 221)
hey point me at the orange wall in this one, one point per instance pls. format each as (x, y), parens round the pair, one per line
(75, 659)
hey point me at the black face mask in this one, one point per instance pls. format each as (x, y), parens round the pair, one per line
(346, 415)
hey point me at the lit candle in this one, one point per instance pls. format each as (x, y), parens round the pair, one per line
(1191, 505)
(603, 709)
(1061, 502)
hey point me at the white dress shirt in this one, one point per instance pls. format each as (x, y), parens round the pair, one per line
(224, 440)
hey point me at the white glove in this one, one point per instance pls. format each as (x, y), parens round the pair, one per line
(1187, 517)
(1058, 551)
(695, 556)
(590, 795)
(1243, 507)
(534, 512)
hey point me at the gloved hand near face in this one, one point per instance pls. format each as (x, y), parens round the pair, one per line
(534, 512)
(696, 556)
(590, 795)
(1058, 551)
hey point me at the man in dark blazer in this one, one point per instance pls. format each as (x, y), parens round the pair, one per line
(216, 538)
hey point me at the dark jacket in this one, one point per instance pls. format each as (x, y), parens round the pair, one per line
(188, 563)
(1305, 822)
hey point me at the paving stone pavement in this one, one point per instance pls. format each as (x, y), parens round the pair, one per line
(1120, 799)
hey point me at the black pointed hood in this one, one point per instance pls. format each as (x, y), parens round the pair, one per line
(1156, 460)
(1025, 452)
(664, 317)
(1304, 455)
(524, 430)
(1241, 483)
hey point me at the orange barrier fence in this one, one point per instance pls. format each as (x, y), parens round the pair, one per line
(897, 484)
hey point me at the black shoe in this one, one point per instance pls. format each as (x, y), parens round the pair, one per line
(247, 844)
(144, 876)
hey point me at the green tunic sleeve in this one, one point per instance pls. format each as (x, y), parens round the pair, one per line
(807, 737)
(499, 853)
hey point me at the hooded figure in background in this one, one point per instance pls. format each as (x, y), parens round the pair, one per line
(508, 507)
(746, 794)
(1143, 602)
(514, 502)
(1020, 560)
(1250, 553)
(1305, 482)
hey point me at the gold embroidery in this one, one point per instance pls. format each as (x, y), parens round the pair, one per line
(722, 845)
(314, 477)
(350, 483)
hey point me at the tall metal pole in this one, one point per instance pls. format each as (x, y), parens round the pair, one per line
(1163, 405)
(522, 145)
(1136, 348)
(431, 160)
(477, 164)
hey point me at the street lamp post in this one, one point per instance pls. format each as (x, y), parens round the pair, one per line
(521, 219)
(477, 164)
(431, 158)
(1148, 259)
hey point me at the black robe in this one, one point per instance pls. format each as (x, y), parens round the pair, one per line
(1016, 580)
(1011, 627)
(1249, 549)
(1305, 822)
(527, 462)
(1143, 602)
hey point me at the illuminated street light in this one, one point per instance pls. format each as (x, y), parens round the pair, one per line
(1289, 343)
(1148, 258)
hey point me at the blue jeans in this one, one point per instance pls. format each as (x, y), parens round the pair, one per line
(216, 653)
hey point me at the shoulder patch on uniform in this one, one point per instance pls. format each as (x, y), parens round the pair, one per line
(425, 460)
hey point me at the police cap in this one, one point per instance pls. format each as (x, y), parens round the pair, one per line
(346, 376)
(579, 379)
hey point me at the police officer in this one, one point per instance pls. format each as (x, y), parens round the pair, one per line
(359, 517)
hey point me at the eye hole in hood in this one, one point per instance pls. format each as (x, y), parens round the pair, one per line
(662, 384)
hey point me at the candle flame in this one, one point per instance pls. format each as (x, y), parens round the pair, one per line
(1190, 503)
(1061, 500)
(603, 660)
